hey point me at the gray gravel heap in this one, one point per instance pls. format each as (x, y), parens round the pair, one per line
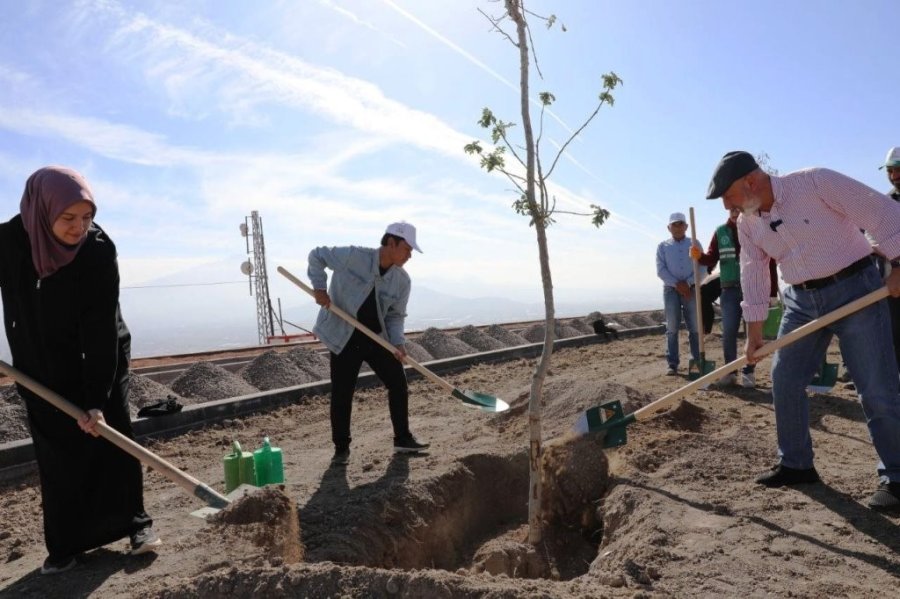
(13, 419)
(417, 352)
(535, 333)
(144, 391)
(312, 362)
(581, 325)
(659, 317)
(272, 370)
(505, 336)
(209, 381)
(478, 339)
(441, 345)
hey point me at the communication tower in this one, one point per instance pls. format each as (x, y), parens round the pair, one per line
(257, 278)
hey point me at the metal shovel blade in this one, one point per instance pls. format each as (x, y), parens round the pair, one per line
(824, 379)
(608, 418)
(699, 368)
(482, 401)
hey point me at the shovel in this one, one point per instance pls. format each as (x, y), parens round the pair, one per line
(610, 418)
(146, 457)
(475, 399)
(698, 368)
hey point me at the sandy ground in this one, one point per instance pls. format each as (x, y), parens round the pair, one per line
(674, 512)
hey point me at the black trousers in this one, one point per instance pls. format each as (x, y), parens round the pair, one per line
(344, 374)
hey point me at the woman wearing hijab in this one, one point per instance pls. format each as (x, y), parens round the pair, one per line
(60, 287)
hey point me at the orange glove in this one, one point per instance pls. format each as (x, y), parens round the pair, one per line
(695, 252)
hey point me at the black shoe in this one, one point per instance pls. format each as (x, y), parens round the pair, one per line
(886, 498)
(409, 445)
(780, 476)
(144, 541)
(341, 457)
(55, 566)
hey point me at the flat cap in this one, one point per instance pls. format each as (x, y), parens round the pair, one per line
(732, 167)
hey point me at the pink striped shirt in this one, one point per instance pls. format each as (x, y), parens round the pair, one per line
(818, 214)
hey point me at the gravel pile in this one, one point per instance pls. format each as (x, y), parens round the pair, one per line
(271, 370)
(441, 345)
(417, 352)
(582, 326)
(313, 362)
(535, 333)
(659, 317)
(13, 419)
(505, 336)
(144, 391)
(207, 381)
(478, 339)
(642, 320)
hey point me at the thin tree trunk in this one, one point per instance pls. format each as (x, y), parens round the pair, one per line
(535, 529)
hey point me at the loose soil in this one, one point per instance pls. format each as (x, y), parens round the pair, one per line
(673, 512)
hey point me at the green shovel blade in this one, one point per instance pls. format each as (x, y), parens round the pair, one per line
(699, 368)
(824, 379)
(482, 401)
(608, 418)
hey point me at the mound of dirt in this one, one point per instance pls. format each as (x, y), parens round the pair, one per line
(271, 370)
(418, 353)
(208, 381)
(478, 339)
(315, 363)
(441, 345)
(505, 336)
(658, 316)
(144, 391)
(13, 418)
(267, 517)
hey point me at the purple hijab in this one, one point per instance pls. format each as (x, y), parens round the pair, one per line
(48, 193)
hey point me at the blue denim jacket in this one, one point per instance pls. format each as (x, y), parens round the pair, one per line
(355, 273)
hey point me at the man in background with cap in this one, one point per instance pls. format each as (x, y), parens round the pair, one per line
(892, 166)
(674, 267)
(371, 284)
(725, 250)
(809, 222)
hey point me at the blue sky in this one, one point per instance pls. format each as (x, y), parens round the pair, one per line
(334, 117)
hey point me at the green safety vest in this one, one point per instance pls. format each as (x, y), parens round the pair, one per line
(729, 267)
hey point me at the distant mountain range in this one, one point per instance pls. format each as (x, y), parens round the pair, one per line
(175, 315)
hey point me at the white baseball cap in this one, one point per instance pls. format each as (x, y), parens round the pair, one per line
(405, 231)
(677, 217)
(893, 158)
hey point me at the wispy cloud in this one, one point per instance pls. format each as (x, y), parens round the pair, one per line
(356, 19)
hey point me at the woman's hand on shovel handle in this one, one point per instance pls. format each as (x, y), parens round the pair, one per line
(754, 341)
(322, 297)
(400, 354)
(88, 422)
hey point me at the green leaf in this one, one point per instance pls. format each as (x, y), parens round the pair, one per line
(473, 148)
(600, 215)
(547, 98)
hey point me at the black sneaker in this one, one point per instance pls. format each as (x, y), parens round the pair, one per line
(144, 541)
(780, 476)
(55, 566)
(886, 498)
(409, 445)
(341, 457)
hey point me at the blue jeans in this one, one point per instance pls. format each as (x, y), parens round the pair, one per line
(866, 346)
(730, 300)
(676, 307)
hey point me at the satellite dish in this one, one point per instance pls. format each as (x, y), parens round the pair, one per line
(243, 229)
(246, 268)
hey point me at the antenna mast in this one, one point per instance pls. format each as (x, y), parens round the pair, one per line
(257, 276)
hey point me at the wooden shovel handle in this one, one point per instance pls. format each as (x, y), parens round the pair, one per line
(698, 310)
(369, 332)
(148, 458)
(798, 333)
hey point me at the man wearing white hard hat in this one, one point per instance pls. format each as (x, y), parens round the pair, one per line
(892, 165)
(675, 268)
(370, 284)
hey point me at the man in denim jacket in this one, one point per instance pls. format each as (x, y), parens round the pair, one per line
(371, 284)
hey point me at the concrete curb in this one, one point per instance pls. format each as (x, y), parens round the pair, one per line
(17, 457)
